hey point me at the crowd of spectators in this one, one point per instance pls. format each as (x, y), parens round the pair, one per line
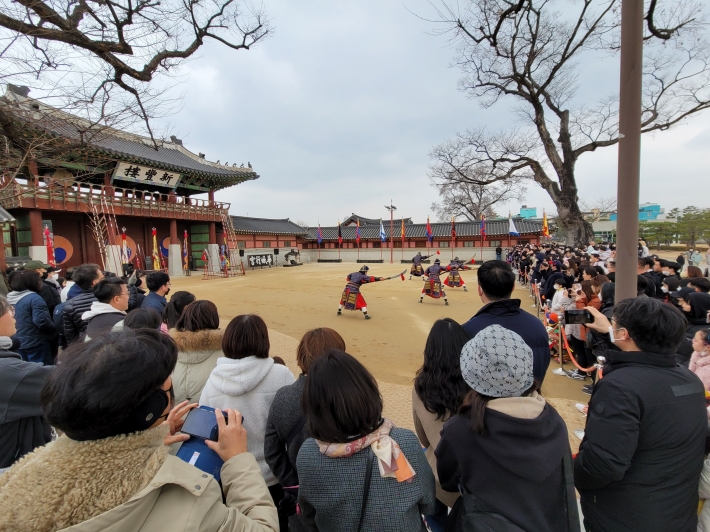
(94, 394)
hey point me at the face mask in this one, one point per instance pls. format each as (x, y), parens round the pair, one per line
(611, 335)
(53, 275)
(665, 289)
(666, 273)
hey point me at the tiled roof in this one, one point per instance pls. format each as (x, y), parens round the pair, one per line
(353, 219)
(266, 226)
(126, 146)
(6, 216)
(494, 228)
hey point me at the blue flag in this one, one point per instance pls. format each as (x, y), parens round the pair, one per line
(383, 236)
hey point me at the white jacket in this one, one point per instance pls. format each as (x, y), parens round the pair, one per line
(248, 385)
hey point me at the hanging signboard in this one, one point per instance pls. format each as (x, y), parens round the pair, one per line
(139, 173)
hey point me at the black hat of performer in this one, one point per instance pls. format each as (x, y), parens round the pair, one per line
(364, 268)
(437, 261)
(456, 259)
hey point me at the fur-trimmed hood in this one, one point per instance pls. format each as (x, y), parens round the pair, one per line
(196, 347)
(68, 482)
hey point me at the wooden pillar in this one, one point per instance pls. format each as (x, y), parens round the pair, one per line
(108, 189)
(213, 233)
(173, 232)
(210, 196)
(36, 229)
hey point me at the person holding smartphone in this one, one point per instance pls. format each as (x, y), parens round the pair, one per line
(112, 400)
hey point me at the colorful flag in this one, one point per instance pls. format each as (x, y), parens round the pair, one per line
(429, 233)
(184, 251)
(156, 253)
(124, 247)
(357, 231)
(50, 247)
(511, 227)
(483, 227)
(545, 227)
(383, 235)
(403, 231)
(340, 234)
(453, 228)
(320, 234)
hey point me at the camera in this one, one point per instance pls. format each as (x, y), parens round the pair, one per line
(580, 317)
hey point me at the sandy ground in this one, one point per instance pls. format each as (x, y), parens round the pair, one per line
(294, 300)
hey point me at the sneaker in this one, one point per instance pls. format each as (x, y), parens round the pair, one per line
(465, 289)
(576, 375)
(339, 313)
(582, 408)
(446, 303)
(588, 389)
(420, 300)
(579, 433)
(368, 317)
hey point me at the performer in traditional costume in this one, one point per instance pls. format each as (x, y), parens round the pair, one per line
(352, 298)
(454, 279)
(432, 283)
(417, 269)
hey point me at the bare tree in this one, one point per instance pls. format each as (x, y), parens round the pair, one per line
(528, 53)
(598, 207)
(112, 62)
(470, 201)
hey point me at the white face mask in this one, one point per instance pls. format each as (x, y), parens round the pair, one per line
(666, 272)
(611, 335)
(665, 289)
(53, 275)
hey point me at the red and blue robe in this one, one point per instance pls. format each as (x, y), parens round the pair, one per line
(454, 278)
(432, 285)
(352, 298)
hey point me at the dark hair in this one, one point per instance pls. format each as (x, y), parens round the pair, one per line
(25, 280)
(316, 343)
(654, 326)
(341, 400)
(587, 289)
(674, 266)
(702, 283)
(474, 408)
(496, 279)
(199, 315)
(591, 271)
(5, 306)
(155, 280)
(246, 335)
(694, 272)
(99, 383)
(439, 383)
(143, 318)
(61, 281)
(641, 284)
(68, 275)
(108, 288)
(85, 275)
(608, 292)
(646, 261)
(598, 281)
(175, 307)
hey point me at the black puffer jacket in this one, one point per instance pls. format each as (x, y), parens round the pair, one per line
(135, 297)
(74, 326)
(639, 464)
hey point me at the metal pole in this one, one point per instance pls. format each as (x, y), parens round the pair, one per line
(632, 13)
(391, 235)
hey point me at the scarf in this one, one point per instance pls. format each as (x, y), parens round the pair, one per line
(390, 458)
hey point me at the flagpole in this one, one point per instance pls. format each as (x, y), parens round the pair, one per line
(508, 230)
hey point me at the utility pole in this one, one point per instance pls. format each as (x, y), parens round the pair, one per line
(391, 208)
(627, 225)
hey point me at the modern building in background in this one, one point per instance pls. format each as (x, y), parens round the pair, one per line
(528, 212)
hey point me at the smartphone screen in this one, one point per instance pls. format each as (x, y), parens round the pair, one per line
(201, 423)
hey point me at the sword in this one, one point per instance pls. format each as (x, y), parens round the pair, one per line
(400, 275)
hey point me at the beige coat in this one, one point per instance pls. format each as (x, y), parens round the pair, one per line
(130, 484)
(197, 357)
(428, 430)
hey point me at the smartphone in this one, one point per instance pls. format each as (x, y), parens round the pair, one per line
(202, 423)
(578, 317)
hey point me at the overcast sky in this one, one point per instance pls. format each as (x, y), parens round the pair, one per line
(338, 110)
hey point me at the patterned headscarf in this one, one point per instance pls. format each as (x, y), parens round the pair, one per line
(497, 363)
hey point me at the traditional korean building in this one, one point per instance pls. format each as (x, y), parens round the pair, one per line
(118, 179)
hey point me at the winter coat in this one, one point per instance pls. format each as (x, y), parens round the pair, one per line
(35, 327)
(428, 428)
(136, 296)
(700, 365)
(73, 291)
(696, 258)
(154, 301)
(704, 493)
(197, 357)
(131, 484)
(74, 325)
(248, 385)
(331, 490)
(50, 294)
(639, 464)
(22, 425)
(101, 318)
(507, 313)
(285, 413)
(517, 467)
(65, 291)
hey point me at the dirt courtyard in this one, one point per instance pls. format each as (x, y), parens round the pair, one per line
(293, 300)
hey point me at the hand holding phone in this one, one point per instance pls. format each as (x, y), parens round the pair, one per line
(232, 437)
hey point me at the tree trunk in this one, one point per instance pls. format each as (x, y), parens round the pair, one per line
(577, 231)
